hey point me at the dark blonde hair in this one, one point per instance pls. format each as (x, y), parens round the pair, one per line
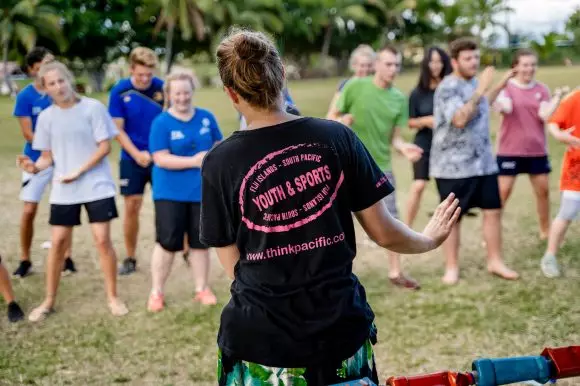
(56, 65)
(167, 85)
(143, 56)
(249, 64)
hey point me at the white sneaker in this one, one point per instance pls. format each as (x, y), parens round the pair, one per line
(550, 266)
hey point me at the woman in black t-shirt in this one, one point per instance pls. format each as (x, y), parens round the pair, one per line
(277, 200)
(435, 66)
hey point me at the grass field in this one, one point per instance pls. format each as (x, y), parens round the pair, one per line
(435, 328)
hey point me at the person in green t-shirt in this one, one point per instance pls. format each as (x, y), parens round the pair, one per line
(376, 111)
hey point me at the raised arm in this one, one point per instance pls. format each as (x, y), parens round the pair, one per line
(394, 235)
(547, 108)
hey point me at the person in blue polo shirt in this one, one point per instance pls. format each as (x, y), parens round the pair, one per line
(180, 138)
(30, 101)
(134, 103)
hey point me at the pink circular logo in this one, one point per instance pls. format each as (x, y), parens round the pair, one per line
(290, 187)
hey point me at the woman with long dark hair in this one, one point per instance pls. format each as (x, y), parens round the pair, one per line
(435, 66)
(277, 204)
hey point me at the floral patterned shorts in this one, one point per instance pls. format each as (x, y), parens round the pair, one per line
(242, 373)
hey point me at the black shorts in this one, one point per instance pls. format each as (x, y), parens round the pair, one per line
(174, 220)
(473, 192)
(69, 215)
(512, 166)
(421, 168)
(133, 177)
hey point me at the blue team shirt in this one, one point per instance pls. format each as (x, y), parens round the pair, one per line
(29, 103)
(184, 139)
(138, 108)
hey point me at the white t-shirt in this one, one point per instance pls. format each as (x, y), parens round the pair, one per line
(73, 135)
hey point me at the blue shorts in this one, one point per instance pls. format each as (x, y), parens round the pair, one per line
(512, 166)
(133, 177)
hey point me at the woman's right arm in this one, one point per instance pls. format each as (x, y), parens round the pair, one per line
(394, 235)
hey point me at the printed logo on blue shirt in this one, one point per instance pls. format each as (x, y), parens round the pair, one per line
(36, 110)
(176, 135)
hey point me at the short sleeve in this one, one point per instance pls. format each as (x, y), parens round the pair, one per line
(103, 126)
(403, 117)
(503, 103)
(216, 220)
(216, 133)
(414, 104)
(116, 109)
(158, 136)
(546, 94)
(22, 107)
(366, 183)
(447, 102)
(344, 100)
(41, 140)
(561, 116)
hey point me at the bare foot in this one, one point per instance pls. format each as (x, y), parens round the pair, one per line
(501, 270)
(117, 307)
(543, 236)
(41, 312)
(451, 276)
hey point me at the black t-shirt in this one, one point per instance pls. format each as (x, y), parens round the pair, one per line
(421, 105)
(284, 195)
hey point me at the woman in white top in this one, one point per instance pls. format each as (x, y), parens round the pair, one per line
(74, 135)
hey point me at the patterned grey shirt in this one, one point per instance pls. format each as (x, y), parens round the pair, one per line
(460, 153)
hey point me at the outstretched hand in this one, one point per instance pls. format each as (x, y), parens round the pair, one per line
(443, 220)
(412, 152)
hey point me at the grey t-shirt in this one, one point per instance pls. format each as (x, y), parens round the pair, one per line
(73, 135)
(460, 153)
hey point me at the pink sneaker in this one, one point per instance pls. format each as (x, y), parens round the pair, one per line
(155, 303)
(205, 297)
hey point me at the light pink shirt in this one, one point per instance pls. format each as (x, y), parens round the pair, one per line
(522, 132)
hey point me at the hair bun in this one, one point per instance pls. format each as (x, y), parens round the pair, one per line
(250, 48)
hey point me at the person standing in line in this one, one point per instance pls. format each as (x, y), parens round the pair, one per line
(526, 105)
(435, 66)
(281, 219)
(15, 313)
(134, 103)
(461, 160)
(82, 178)
(377, 111)
(362, 63)
(564, 125)
(180, 138)
(30, 102)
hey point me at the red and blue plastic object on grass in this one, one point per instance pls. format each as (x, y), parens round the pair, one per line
(552, 364)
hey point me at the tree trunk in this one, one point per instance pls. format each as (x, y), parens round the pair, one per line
(327, 39)
(169, 46)
(5, 62)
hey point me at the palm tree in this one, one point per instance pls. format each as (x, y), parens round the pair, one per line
(484, 14)
(454, 22)
(172, 13)
(23, 21)
(332, 15)
(262, 15)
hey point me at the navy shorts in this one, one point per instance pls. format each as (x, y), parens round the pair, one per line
(133, 177)
(473, 192)
(69, 215)
(512, 166)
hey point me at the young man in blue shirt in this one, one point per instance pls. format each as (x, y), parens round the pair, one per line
(30, 101)
(133, 103)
